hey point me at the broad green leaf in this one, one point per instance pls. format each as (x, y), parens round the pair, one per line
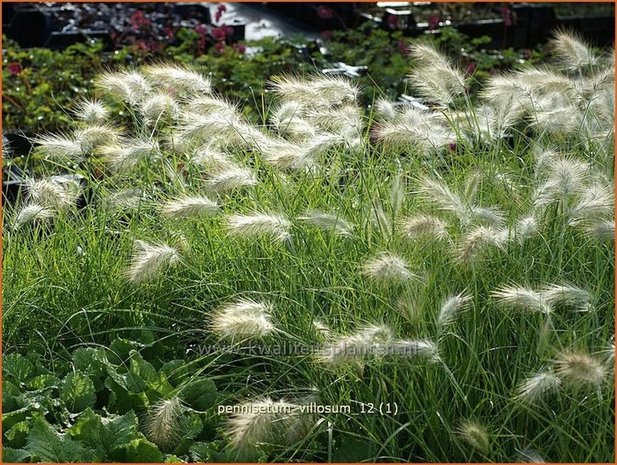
(18, 368)
(17, 435)
(10, 455)
(12, 418)
(200, 393)
(142, 450)
(104, 435)
(42, 382)
(119, 350)
(121, 400)
(46, 445)
(11, 399)
(90, 360)
(78, 392)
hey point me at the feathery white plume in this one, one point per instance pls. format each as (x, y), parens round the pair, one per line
(579, 369)
(243, 319)
(451, 306)
(424, 226)
(387, 267)
(149, 261)
(60, 147)
(157, 106)
(601, 229)
(162, 422)
(537, 386)
(92, 136)
(356, 347)
(568, 295)
(128, 86)
(91, 111)
(433, 76)
(260, 224)
(178, 78)
(190, 206)
(32, 212)
(316, 91)
(230, 179)
(50, 194)
(474, 434)
(572, 52)
(328, 222)
(266, 421)
(128, 155)
(522, 298)
(478, 241)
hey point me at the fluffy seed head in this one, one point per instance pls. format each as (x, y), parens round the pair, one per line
(93, 136)
(451, 306)
(566, 176)
(260, 224)
(572, 52)
(434, 77)
(568, 295)
(424, 226)
(150, 260)
(128, 86)
(387, 268)
(601, 229)
(474, 434)
(243, 319)
(91, 111)
(266, 421)
(178, 79)
(230, 179)
(32, 212)
(478, 241)
(535, 387)
(60, 147)
(579, 369)
(162, 422)
(328, 222)
(50, 194)
(522, 298)
(125, 199)
(190, 207)
(317, 91)
(157, 106)
(128, 155)
(424, 349)
(354, 348)
(525, 228)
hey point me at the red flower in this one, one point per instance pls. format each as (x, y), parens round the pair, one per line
(221, 32)
(327, 35)
(506, 14)
(219, 12)
(471, 67)
(219, 47)
(138, 20)
(403, 47)
(324, 12)
(392, 21)
(170, 32)
(15, 69)
(201, 45)
(240, 48)
(433, 22)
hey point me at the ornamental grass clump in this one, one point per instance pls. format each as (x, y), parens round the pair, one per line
(440, 269)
